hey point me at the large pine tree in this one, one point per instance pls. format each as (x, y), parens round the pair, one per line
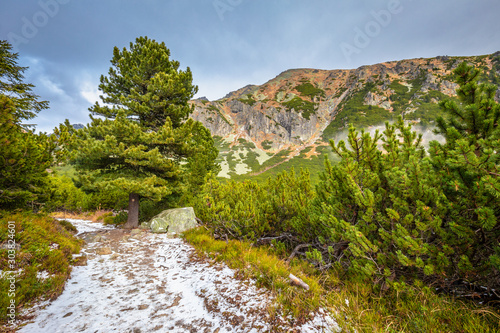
(146, 145)
(24, 155)
(147, 85)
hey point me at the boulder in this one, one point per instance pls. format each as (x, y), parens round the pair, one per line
(174, 220)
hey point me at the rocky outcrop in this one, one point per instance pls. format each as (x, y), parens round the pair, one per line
(377, 100)
(293, 109)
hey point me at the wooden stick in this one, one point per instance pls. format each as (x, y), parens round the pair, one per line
(298, 282)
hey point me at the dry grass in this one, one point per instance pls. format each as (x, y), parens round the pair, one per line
(96, 216)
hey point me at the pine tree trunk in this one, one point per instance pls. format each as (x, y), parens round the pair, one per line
(133, 211)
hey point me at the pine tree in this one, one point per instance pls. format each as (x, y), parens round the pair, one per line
(396, 211)
(24, 155)
(378, 210)
(147, 85)
(145, 146)
(468, 165)
(26, 103)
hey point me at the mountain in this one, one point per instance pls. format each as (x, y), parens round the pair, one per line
(78, 126)
(260, 127)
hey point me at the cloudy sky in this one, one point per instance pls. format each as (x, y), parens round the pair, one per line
(67, 44)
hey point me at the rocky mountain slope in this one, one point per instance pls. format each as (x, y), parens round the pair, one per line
(297, 112)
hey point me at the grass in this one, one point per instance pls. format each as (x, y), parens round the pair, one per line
(46, 245)
(95, 216)
(356, 305)
(315, 165)
(266, 268)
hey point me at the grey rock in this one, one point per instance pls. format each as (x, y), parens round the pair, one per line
(174, 220)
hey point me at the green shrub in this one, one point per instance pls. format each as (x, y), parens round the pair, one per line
(108, 219)
(396, 212)
(308, 90)
(380, 214)
(104, 216)
(250, 211)
(120, 218)
(266, 144)
(248, 100)
(68, 226)
(306, 108)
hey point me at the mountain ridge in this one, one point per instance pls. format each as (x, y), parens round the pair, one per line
(305, 107)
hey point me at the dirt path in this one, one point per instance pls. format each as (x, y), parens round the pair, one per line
(143, 282)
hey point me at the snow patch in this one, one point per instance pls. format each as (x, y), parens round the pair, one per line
(153, 283)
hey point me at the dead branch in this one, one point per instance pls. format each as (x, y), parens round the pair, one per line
(296, 250)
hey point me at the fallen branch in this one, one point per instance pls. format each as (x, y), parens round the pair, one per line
(270, 239)
(298, 282)
(294, 252)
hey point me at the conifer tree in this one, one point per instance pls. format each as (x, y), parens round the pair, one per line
(378, 211)
(147, 85)
(24, 155)
(26, 103)
(468, 165)
(145, 146)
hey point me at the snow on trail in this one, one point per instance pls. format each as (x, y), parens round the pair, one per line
(84, 226)
(144, 282)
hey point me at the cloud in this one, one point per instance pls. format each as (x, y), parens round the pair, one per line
(51, 86)
(257, 40)
(89, 91)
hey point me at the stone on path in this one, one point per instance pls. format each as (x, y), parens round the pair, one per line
(174, 220)
(102, 251)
